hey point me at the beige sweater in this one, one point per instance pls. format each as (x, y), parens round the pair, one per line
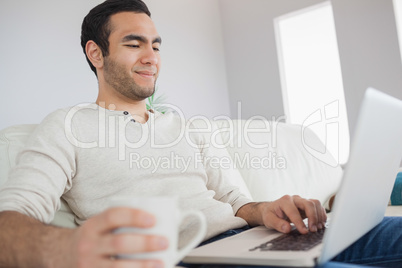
(88, 154)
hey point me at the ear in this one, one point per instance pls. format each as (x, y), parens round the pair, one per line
(94, 54)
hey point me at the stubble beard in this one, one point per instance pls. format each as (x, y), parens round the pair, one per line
(116, 76)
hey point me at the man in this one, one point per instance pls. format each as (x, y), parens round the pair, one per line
(67, 157)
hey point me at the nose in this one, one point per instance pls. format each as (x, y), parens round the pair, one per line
(150, 56)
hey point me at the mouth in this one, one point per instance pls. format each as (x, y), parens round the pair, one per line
(146, 74)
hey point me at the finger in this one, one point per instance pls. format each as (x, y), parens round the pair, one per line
(310, 209)
(130, 263)
(278, 223)
(288, 206)
(131, 243)
(322, 215)
(122, 217)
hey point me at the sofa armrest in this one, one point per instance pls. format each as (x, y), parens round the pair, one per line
(12, 139)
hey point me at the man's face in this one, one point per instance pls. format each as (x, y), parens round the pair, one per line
(133, 63)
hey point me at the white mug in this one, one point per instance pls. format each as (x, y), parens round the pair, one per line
(168, 218)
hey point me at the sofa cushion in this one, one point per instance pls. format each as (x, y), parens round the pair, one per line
(396, 196)
(273, 160)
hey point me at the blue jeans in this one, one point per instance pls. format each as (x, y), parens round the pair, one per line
(381, 247)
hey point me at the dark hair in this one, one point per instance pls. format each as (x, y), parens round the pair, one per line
(96, 25)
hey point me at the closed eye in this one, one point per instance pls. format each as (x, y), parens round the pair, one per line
(135, 46)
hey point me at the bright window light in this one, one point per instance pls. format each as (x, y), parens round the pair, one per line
(398, 17)
(311, 78)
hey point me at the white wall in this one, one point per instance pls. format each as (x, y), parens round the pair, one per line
(369, 50)
(252, 61)
(398, 15)
(367, 41)
(42, 66)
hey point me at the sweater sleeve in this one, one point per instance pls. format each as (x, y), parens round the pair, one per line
(223, 177)
(43, 172)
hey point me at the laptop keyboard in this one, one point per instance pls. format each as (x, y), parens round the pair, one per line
(293, 241)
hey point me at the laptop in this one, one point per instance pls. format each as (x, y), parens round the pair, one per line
(359, 205)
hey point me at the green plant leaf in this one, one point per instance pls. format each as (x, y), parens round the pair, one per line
(156, 103)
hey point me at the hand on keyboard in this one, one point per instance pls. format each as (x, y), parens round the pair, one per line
(281, 213)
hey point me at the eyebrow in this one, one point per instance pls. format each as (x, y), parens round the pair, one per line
(140, 38)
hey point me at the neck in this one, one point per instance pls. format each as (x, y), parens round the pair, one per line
(137, 109)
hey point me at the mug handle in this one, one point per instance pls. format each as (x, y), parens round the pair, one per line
(197, 238)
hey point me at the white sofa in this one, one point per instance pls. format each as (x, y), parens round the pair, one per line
(273, 159)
